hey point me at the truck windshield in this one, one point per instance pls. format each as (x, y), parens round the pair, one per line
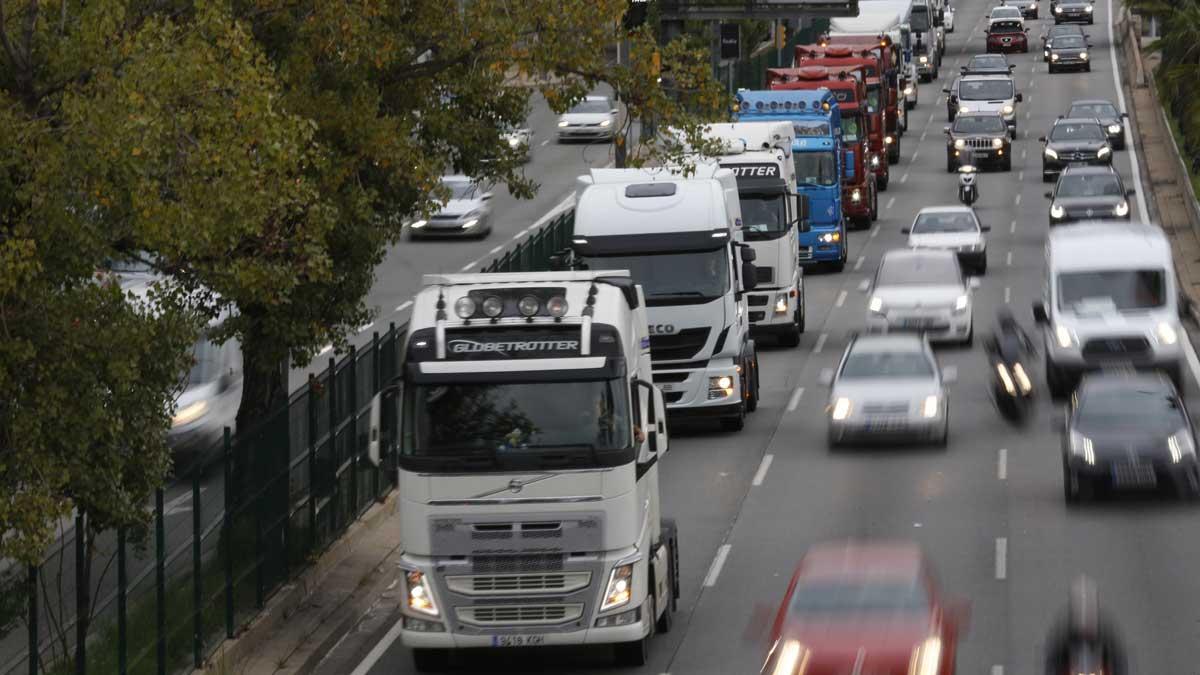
(763, 216)
(690, 277)
(918, 20)
(1122, 290)
(815, 168)
(515, 420)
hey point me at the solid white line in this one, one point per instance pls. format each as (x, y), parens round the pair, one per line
(820, 343)
(468, 266)
(923, 135)
(518, 235)
(1007, 294)
(378, 650)
(939, 101)
(891, 201)
(763, 467)
(1001, 558)
(495, 250)
(1129, 145)
(718, 562)
(859, 263)
(404, 305)
(1017, 201)
(795, 399)
(1002, 464)
(1008, 259)
(841, 299)
(904, 178)
(365, 326)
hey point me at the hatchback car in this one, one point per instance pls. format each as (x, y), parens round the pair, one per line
(1128, 431)
(1074, 11)
(952, 228)
(1007, 35)
(988, 64)
(865, 607)
(1072, 141)
(985, 135)
(1089, 193)
(987, 93)
(1110, 118)
(921, 290)
(594, 118)
(468, 213)
(888, 388)
(1069, 52)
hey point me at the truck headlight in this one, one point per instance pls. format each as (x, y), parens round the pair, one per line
(888, 140)
(620, 587)
(1103, 152)
(1033, 5)
(856, 195)
(1007, 109)
(1058, 10)
(961, 303)
(417, 594)
(1114, 128)
(874, 161)
(1181, 445)
(929, 408)
(997, 143)
(1065, 336)
(781, 303)
(1121, 209)
(190, 413)
(841, 409)
(926, 657)
(924, 59)
(1088, 9)
(830, 237)
(1051, 153)
(1056, 211)
(720, 387)
(876, 305)
(959, 144)
(1081, 446)
(1166, 333)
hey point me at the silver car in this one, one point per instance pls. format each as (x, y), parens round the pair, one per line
(519, 139)
(467, 214)
(888, 388)
(921, 290)
(593, 118)
(952, 228)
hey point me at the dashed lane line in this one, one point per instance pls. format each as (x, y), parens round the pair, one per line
(794, 401)
(820, 343)
(714, 570)
(763, 467)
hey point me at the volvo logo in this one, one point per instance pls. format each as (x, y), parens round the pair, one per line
(662, 328)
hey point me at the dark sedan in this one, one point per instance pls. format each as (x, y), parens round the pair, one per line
(1128, 431)
(1074, 11)
(1069, 52)
(1029, 8)
(984, 134)
(1056, 31)
(1110, 118)
(988, 64)
(1074, 140)
(1088, 193)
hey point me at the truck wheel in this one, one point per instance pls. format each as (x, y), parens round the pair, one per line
(882, 181)
(734, 422)
(894, 151)
(791, 336)
(670, 534)
(431, 660)
(635, 654)
(874, 203)
(752, 382)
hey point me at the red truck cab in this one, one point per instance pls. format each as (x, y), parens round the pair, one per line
(860, 198)
(887, 54)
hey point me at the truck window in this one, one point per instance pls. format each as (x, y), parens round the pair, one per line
(873, 96)
(918, 20)
(672, 278)
(851, 129)
(764, 216)
(815, 168)
(1123, 290)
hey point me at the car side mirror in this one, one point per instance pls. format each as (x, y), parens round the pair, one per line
(946, 129)
(614, 111)
(961, 69)
(826, 377)
(945, 90)
(749, 276)
(1089, 45)
(1185, 304)
(1124, 115)
(1039, 312)
(985, 228)
(1042, 139)
(950, 374)
(1048, 195)
(974, 283)
(1019, 97)
(1013, 66)
(864, 285)
(1130, 192)
(906, 230)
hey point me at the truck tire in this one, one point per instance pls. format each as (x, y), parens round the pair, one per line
(882, 181)
(431, 660)
(791, 336)
(635, 654)
(874, 203)
(670, 535)
(894, 151)
(735, 422)
(752, 399)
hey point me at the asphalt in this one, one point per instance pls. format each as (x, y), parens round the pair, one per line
(988, 510)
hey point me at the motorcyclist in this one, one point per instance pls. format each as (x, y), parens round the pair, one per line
(1010, 342)
(1084, 626)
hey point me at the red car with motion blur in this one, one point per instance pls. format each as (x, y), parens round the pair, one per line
(1006, 36)
(862, 607)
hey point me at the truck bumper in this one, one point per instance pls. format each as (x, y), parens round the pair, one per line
(587, 636)
(689, 390)
(764, 306)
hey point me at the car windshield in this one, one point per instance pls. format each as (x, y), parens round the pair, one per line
(995, 62)
(926, 270)
(979, 124)
(1068, 42)
(918, 19)
(672, 278)
(1074, 3)
(1076, 132)
(853, 596)
(851, 129)
(763, 216)
(815, 168)
(1089, 185)
(1007, 27)
(1129, 408)
(514, 419)
(866, 365)
(461, 189)
(984, 90)
(1100, 110)
(1122, 290)
(950, 221)
(1006, 13)
(590, 107)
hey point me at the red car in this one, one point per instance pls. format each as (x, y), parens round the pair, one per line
(1006, 35)
(865, 608)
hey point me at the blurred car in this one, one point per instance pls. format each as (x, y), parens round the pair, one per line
(988, 64)
(519, 139)
(468, 213)
(921, 290)
(987, 93)
(1128, 431)
(1088, 193)
(1055, 31)
(888, 387)
(1007, 35)
(1075, 11)
(1106, 113)
(953, 228)
(865, 607)
(1029, 8)
(593, 118)
(985, 134)
(1069, 52)
(1074, 140)
(1006, 11)
(948, 20)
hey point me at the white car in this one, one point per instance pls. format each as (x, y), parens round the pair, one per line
(519, 139)
(468, 213)
(948, 21)
(921, 290)
(593, 118)
(888, 387)
(1007, 13)
(952, 228)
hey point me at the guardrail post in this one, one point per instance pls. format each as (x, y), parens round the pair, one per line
(81, 595)
(312, 462)
(34, 654)
(376, 386)
(122, 612)
(227, 533)
(353, 430)
(160, 579)
(197, 575)
(333, 425)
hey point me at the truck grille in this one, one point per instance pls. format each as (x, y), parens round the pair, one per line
(757, 300)
(765, 274)
(1120, 347)
(673, 396)
(516, 564)
(504, 584)
(678, 346)
(757, 316)
(526, 615)
(886, 408)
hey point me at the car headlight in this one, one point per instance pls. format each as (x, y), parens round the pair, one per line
(876, 305)
(1088, 9)
(841, 409)
(997, 143)
(1006, 378)
(1033, 5)
(929, 408)
(1051, 153)
(1056, 211)
(470, 223)
(959, 144)
(888, 140)
(830, 237)
(1022, 377)
(1103, 152)
(1054, 57)
(856, 195)
(1083, 55)
(1058, 10)
(781, 303)
(926, 658)
(963, 109)
(620, 587)
(513, 141)
(1166, 333)
(418, 224)
(1114, 128)
(962, 302)
(562, 123)
(1065, 336)
(418, 596)
(908, 91)
(1007, 109)
(1121, 209)
(1081, 446)
(792, 658)
(924, 59)
(1181, 445)
(606, 123)
(190, 413)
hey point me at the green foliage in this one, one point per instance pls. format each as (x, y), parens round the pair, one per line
(1179, 70)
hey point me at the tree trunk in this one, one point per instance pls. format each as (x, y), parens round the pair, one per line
(264, 380)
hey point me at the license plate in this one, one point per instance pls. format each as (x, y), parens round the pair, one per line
(518, 640)
(1134, 475)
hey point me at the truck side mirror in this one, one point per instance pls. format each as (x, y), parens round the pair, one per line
(1048, 195)
(653, 427)
(802, 212)
(748, 254)
(749, 276)
(386, 396)
(906, 230)
(1039, 312)
(1019, 97)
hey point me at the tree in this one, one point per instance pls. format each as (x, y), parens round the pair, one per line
(1180, 67)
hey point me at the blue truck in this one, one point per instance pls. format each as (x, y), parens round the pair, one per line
(820, 163)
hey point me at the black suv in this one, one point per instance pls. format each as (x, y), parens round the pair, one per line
(988, 64)
(1055, 31)
(985, 134)
(1074, 140)
(1110, 118)
(1074, 11)
(1089, 193)
(1069, 52)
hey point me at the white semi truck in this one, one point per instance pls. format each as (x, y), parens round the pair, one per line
(681, 239)
(527, 435)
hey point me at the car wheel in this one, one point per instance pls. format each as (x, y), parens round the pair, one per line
(1088, 68)
(1070, 485)
(1051, 70)
(832, 441)
(970, 340)
(982, 268)
(944, 440)
(1047, 177)
(431, 660)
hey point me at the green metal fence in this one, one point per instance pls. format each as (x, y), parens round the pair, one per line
(751, 73)
(533, 254)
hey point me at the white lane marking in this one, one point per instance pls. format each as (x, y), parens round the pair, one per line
(1027, 114)
(545, 143)
(820, 343)
(324, 349)
(874, 232)
(1012, 227)
(1001, 558)
(904, 178)
(718, 562)
(1020, 175)
(761, 474)
(891, 201)
(795, 399)
(1007, 294)
(859, 263)
(378, 650)
(181, 504)
(519, 235)
(365, 327)
(1008, 259)
(915, 155)
(997, 669)
(468, 266)
(841, 299)
(923, 134)
(1017, 201)
(1002, 464)
(495, 250)
(939, 101)
(1130, 145)
(404, 305)
(1022, 154)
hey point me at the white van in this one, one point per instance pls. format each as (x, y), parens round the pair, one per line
(1109, 301)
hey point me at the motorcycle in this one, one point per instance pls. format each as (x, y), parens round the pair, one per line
(968, 191)
(1012, 389)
